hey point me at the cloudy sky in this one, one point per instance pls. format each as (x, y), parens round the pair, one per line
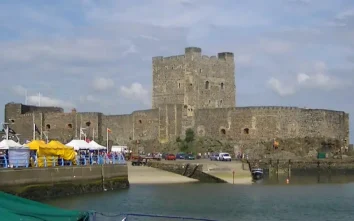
(96, 55)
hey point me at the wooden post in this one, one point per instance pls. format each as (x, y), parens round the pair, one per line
(278, 170)
(270, 168)
(318, 171)
(329, 172)
(233, 177)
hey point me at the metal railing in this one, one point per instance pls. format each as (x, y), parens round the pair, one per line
(52, 161)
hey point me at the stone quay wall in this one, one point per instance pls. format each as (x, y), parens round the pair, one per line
(191, 170)
(44, 183)
(305, 167)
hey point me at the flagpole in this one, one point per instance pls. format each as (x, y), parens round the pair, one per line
(41, 126)
(107, 139)
(34, 128)
(7, 132)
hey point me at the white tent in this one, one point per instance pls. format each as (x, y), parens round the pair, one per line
(96, 146)
(19, 156)
(7, 144)
(78, 144)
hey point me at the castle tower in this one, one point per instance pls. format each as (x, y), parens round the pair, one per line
(194, 80)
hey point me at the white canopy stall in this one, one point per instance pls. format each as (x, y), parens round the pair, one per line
(7, 144)
(79, 144)
(96, 146)
(18, 154)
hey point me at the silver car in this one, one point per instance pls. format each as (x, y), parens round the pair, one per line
(214, 156)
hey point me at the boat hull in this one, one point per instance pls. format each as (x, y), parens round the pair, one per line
(257, 174)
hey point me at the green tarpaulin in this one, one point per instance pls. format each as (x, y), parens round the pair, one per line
(13, 208)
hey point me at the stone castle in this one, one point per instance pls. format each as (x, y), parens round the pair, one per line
(189, 91)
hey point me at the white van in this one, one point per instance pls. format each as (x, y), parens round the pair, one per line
(120, 149)
(224, 157)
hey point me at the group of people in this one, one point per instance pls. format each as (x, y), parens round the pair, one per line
(85, 157)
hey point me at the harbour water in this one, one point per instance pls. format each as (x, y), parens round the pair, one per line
(302, 199)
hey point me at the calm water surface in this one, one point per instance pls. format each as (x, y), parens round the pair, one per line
(258, 202)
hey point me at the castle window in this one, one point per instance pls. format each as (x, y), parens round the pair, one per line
(179, 85)
(12, 120)
(70, 126)
(47, 126)
(223, 131)
(140, 121)
(246, 131)
(222, 86)
(207, 85)
(88, 123)
(172, 67)
(220, 102)
(200, 70)
(209, 101)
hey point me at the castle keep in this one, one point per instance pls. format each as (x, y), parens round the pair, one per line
(189, 91)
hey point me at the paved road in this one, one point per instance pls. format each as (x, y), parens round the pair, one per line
(149, 175)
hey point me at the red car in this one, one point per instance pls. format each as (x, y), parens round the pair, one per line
(170, 157)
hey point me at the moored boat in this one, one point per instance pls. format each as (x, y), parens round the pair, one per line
(257, 174)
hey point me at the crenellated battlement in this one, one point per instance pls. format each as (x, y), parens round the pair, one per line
(169, 58)
(268, 108)
(90, 113)
(189, 50)
(275, 108)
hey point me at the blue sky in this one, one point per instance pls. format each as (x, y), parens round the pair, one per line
(96, 55)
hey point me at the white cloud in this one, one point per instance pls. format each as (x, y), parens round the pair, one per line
(318, 79)
(137, 92)
(302, 77)
(88, 99)
(47, 101)
(40, 99)
(19, 90)
(102, 84)
(280, 88)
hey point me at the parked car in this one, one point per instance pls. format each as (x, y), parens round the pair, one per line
(214, 156)
(224, 157)
(189, 157)
(164, 155)
(170, 157)
(180, 156)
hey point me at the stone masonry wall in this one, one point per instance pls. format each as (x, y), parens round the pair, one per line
(194, 80)
(168, 80)
(163, 124)
(266, 123)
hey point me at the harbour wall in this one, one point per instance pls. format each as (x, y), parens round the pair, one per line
(191, 170)
(44, 183)
(320, 167)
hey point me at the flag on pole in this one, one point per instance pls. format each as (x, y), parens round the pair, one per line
(36, 129)
(108, 131)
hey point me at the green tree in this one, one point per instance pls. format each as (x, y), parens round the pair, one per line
(189, 135)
